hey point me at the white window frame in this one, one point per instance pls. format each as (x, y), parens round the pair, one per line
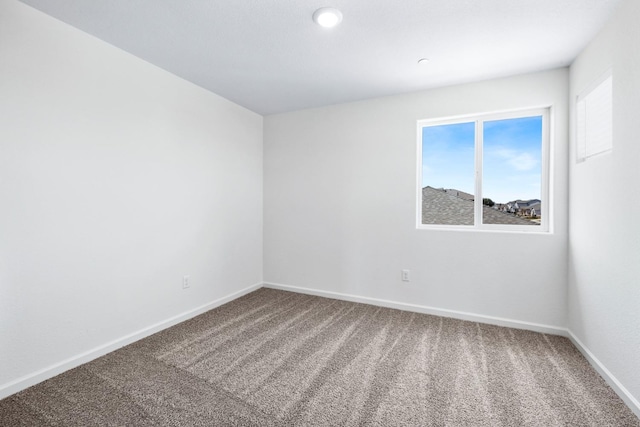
(545, 226)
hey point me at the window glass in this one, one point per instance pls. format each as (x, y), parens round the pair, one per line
(511, 171)
(448, 173)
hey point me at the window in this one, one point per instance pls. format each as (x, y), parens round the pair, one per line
(594, 118)
(487, 172)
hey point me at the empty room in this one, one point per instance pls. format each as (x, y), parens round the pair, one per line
(299, 213)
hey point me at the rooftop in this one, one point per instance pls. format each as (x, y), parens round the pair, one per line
(443, 207)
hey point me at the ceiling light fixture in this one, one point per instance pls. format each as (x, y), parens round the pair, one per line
(327, 17)
(423, 61)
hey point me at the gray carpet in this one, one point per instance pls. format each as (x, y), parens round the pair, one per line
(274, 358)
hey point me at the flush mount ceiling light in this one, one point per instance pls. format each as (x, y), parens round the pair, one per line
(327, 17)
(423, 61)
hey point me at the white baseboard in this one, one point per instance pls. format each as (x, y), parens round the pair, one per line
(72, 362)
(517, 324)
(613, 382)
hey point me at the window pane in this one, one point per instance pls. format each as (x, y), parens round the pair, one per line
(512, 171)
(448, 169)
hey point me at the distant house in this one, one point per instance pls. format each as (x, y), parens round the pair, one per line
(535, 210)
(526, 208)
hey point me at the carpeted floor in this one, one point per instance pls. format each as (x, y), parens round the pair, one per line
(274, 358)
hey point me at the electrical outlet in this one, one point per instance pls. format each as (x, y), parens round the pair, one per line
(406, 275)
(186, 282)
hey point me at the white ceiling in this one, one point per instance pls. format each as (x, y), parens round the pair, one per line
(270, 57)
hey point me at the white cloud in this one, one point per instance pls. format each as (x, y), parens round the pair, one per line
(521, 161)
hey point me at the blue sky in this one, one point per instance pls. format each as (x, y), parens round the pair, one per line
(511, 164)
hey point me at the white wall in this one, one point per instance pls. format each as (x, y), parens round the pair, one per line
(340, 207)
(116, 179)
(604, 260)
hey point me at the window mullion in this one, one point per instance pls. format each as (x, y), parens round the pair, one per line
(478, 176)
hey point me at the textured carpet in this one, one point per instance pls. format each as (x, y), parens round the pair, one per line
(274, 358)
